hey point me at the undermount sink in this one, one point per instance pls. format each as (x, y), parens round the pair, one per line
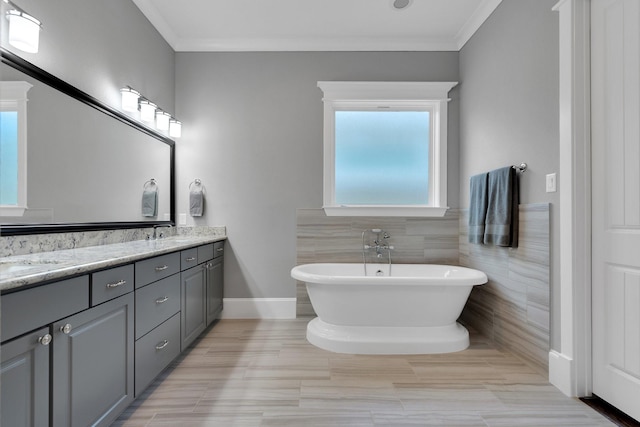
(16, 266)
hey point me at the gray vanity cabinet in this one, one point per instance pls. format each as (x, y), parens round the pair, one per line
(24, 381)
(92, 364)
(214, 280)
(157, 316)
(193, 304)
(77, 351)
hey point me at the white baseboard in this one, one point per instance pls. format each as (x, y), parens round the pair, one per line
(561, 372)
(259, 308)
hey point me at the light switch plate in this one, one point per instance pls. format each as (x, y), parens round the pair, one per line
(551, 183)
(182, 219)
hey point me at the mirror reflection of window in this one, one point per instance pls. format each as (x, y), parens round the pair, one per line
(13, 147)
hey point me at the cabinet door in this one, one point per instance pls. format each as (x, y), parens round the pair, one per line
(193, 304)
(93, 364)
(24, 381)
(214, 289)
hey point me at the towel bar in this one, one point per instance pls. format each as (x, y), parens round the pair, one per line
(521, 168)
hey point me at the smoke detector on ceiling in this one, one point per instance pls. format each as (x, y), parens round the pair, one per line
(401, 4)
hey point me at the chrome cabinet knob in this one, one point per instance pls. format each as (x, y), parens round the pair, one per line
(66, 329)
(45, 339)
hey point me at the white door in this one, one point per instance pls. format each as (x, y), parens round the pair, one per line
(615, 109)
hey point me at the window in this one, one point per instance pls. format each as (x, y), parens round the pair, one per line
(385, 148)
(13, 148)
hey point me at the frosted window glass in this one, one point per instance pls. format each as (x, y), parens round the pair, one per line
(382, 157)
(8, 157)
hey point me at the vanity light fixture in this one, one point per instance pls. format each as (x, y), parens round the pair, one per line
(132, 101)
(24, 29)
(175, 128)
(130, 98)
(162, 120)
(147, 110)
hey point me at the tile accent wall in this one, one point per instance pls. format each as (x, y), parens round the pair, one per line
(513, 308)
(339, 239)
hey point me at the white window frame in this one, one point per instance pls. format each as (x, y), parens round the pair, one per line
(14, 98)
(390, 96)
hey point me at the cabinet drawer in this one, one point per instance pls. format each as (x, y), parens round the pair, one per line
(152, 269)
(205, 253)
(156, 303)
(155, 351)
(218, 249)
(26, 310)
(189, 258)
(108, 284)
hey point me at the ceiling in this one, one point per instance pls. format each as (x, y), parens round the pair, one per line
(316, 25)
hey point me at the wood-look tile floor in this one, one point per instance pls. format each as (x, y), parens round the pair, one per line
(264, 373)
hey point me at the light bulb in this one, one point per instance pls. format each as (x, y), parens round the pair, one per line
(129, 99)
(162, 120)
(24, 31)
(175, 128)
(147, 110)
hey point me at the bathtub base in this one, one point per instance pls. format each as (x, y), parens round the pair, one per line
(387, 339)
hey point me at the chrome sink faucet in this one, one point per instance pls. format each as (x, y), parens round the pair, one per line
(157, 235)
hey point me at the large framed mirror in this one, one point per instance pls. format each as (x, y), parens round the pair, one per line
(88, 164)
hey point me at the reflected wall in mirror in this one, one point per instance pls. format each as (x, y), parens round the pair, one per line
(86, 164)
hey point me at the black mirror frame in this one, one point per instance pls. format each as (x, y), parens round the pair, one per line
(37, 73)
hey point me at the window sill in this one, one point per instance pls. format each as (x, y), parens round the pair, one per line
(12, 210)
(403, 211)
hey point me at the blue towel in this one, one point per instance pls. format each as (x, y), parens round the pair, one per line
(478, 208)
(150, 202)
(501, 222)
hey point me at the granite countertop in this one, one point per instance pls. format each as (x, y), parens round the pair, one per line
(25, 270)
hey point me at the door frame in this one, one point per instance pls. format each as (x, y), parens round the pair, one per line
(570, 364)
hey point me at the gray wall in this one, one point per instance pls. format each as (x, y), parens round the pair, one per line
(253, 135)
(509, 107)
(100, 46)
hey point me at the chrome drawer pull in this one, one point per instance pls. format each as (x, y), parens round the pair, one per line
(116, 284)
(220, 249)
(162, 345)
(190, 259)
(44, 340)
(162, 268)
(162, 300)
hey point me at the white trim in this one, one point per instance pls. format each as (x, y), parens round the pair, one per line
(310, 44)
(574, 379)
(154, 16)
(421, 96)
(259, 308)
(404, 211)
(561, 372)
(481, 14)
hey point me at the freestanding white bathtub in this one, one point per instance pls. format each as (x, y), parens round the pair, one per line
(412, 311)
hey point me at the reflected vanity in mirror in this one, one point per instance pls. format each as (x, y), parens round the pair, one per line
(87, 163)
